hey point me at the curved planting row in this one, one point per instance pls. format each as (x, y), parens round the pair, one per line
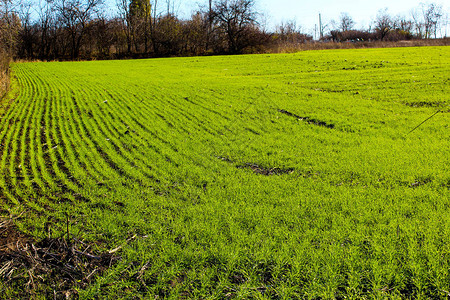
(284, 176)
(62, 137)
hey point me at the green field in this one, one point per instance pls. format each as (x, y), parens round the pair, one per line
(260, 176)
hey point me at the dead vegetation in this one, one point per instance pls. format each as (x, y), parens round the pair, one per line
(437, 104)
(53, 267)
(328, 45)
(259, 169)
(267, 171)
(307, 119)
(4, 74)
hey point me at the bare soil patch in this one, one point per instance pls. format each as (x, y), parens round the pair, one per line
(307, 119)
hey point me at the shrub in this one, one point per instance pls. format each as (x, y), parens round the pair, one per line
(4, 72)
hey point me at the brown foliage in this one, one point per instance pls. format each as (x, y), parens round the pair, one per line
(4, 73)
(290, 48)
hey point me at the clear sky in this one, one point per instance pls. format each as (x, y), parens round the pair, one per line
(305, 13)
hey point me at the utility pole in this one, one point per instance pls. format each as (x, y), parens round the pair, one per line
(320, 26)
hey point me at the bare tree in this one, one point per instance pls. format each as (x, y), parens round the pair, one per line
(404, 24)
(383, 24)
(45, 21)
(147, 26)
(209, 28)
(287, 29)
(196, 34)
(27, 32)
(168, 36)
(289, 33)
(9, 25)
(234, 18)
(346, 22)
(9, 29)
(445, 24)
(170, 7)
(402, 29)
(432, 14)
(427, 20)
(75, 15)
(418, 23)
(139, 19)
(123, 7)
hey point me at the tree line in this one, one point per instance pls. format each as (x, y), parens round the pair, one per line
(425, 22)
(83, 29)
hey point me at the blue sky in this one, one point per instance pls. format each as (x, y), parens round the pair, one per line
(305, 13)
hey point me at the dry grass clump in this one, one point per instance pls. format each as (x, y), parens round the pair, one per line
(52, 266)
(4, 73)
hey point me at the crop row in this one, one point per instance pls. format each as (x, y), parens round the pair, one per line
(251, 176)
